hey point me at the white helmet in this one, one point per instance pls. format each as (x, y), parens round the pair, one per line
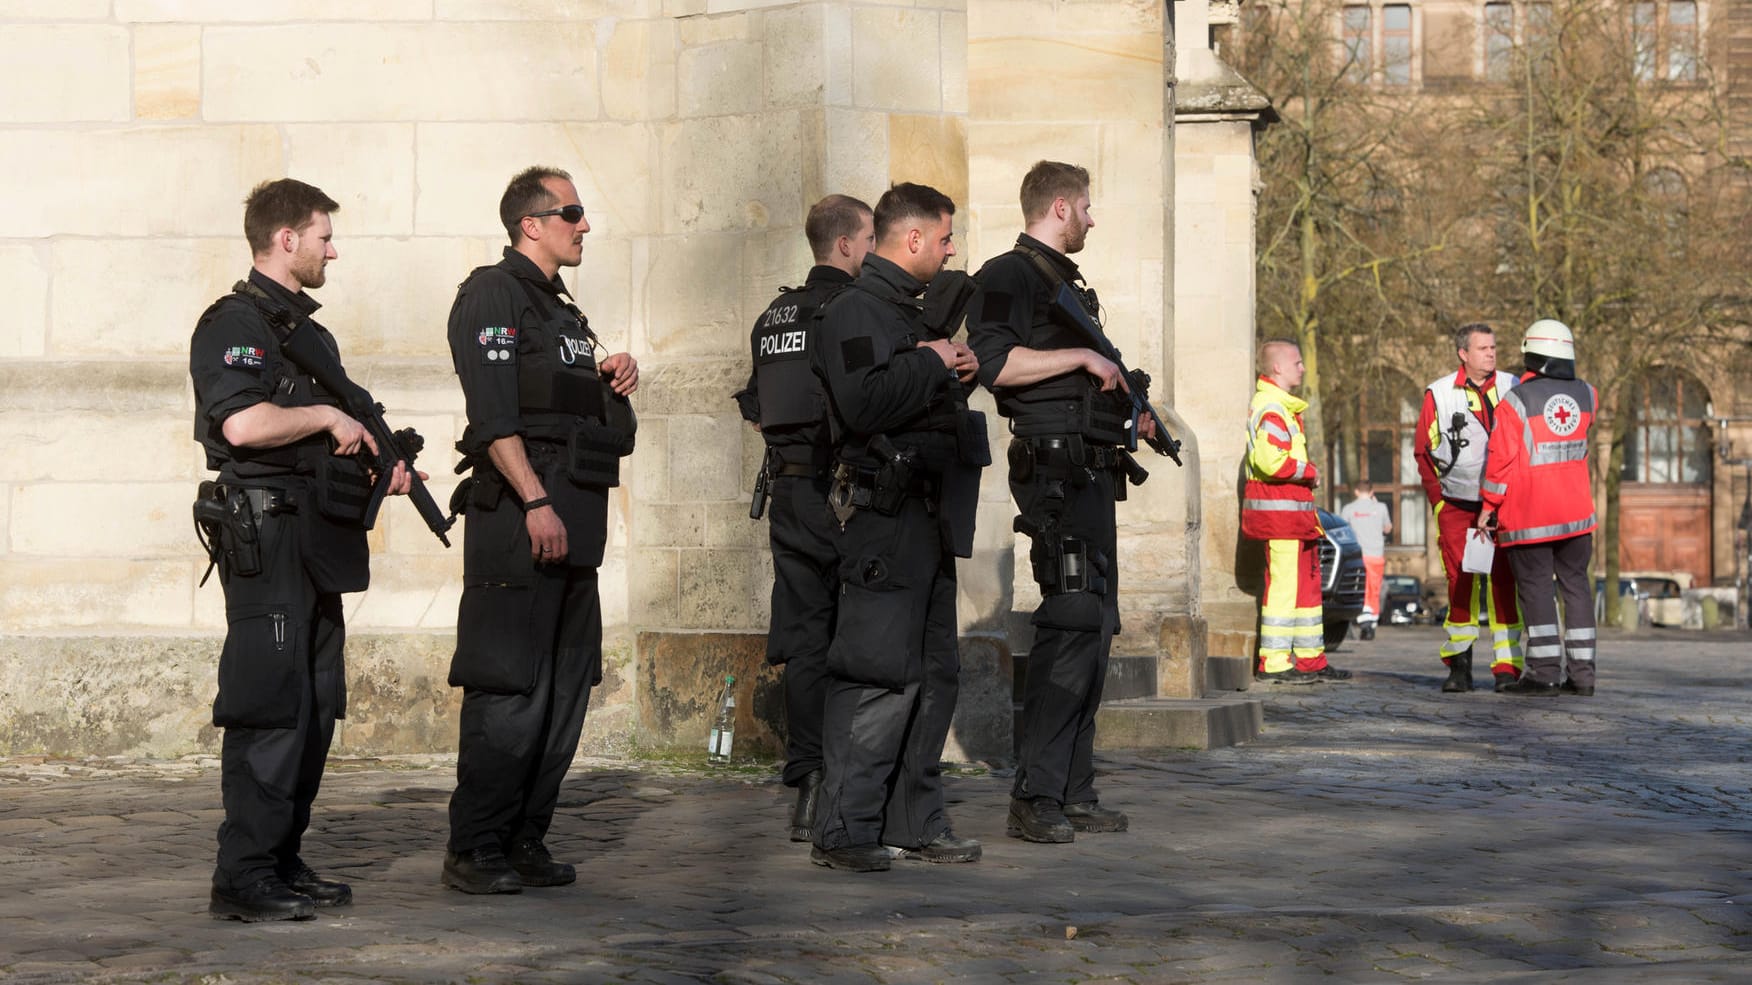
(1550, 338)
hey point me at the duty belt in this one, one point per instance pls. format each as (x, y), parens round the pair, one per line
(799, 470)
(924, 487)
(261, 500)
(1065, 452)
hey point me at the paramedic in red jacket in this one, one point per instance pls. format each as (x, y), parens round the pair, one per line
(1538, 498)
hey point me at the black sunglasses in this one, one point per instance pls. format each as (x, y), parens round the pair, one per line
(570, 213)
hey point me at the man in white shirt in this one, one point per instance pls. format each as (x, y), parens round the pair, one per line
(1371, 521)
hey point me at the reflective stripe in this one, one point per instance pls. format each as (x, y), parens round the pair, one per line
(1558, 451)
(1277, 505)
(1579, 634)
(1548, 629)
(1268, 427)
(1589, 656)
(1301, 469)
(1276, 642)
(1552, 532)
(1291, 621)
(1254, 424)
(1581, 653)
(1546, 650)
(1495, 487)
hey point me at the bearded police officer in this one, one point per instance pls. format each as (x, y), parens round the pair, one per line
(906, 480)
(1069, 417)
(785, 401)
(285, 524)
(547, 427)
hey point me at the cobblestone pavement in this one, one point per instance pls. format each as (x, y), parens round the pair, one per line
(1378, 832)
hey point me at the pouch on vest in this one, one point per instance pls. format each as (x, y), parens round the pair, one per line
(343, 488)
(593, 455)
(337, 557)
(958, 508)
(972, 444)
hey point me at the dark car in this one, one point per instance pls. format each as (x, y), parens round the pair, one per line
(1342, 578)
(1408, 605)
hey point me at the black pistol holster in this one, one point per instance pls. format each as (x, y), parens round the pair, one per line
(763, 481)
(1062, 564)
(226, 521)
(883, 489)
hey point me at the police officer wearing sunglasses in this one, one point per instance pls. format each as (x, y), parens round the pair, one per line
(547, 426)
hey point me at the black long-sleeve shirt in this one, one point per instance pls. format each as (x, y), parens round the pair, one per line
(878, 380)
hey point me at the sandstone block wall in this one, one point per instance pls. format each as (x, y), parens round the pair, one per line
(699, 131)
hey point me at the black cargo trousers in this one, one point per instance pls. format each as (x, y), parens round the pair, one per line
(893, 676)
(1071, 510)
(529, 649)
(282, 684)
(805, 600)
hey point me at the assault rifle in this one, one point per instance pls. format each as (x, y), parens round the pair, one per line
(1070, 308)
(304, 348)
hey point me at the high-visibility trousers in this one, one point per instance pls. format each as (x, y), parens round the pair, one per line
(1475, 598)
(1291, 631)
(1374, 570)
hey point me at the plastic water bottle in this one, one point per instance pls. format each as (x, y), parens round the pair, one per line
(724, 726)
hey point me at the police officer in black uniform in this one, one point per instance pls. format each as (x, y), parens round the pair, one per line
(785, 401)
(1066, 410)
(547, 427)
(284, 523)
(905, 482)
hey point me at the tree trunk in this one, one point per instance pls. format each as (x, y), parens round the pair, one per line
(1607, 541)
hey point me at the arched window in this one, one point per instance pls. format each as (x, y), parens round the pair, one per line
(1669, 438)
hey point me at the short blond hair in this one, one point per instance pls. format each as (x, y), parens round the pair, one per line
(1268, 352)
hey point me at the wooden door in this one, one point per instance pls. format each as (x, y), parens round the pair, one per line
(1665, 527)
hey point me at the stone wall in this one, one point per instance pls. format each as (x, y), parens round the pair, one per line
(699, 131)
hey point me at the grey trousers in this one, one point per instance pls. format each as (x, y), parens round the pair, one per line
(1544, 574)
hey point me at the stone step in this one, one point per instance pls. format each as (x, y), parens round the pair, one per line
(1228, 674)
(1127, 677)
(1178, 723)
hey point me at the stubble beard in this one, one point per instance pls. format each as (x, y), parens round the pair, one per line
(1075, 236)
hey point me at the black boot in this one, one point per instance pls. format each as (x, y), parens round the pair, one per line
(480, 871)
(1039, 819)
(322, 892)
(535, 867)
(1459, 674)
(266, 899)
(803, 815)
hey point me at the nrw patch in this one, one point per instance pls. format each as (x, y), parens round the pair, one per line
(498, 345)
(1563, 415)
(243, 357)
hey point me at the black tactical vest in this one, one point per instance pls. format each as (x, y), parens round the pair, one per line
(1068, 404)
(790, 394)
(291, 388)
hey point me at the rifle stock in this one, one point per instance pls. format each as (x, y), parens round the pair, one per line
(1070, 308)
(306, 350)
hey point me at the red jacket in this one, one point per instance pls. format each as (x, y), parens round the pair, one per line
(1278, 501)
(1536, 475)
